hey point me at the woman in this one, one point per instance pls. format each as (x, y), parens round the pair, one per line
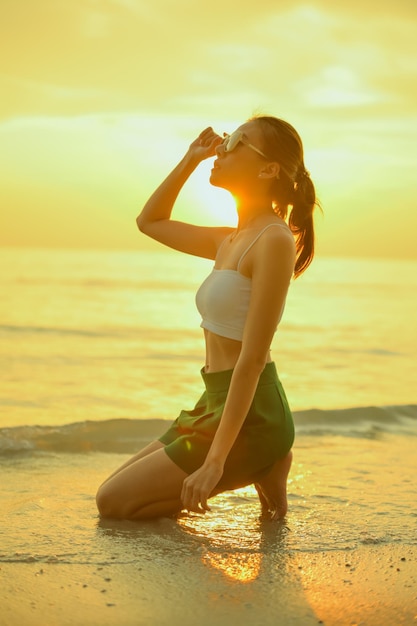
(241, 430)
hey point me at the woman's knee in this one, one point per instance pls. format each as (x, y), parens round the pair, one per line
(148, 483)
(102, 501)
(107, 503)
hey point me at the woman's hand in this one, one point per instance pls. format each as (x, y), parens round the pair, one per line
(205, 145)
(198, 487)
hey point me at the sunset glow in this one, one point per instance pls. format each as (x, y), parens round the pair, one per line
(101, 98)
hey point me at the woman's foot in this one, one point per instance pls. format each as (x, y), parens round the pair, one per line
(272, 489)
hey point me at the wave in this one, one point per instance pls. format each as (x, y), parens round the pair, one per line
(114, 435)
(43, 330)
(63, 332)
(359, 421)
(126, 436)
(100, 332)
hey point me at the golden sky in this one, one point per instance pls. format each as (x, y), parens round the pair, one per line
(100, 98)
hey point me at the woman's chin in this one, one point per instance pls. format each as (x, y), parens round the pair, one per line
(214, 179)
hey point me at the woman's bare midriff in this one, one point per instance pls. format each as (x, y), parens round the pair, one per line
(222, 353)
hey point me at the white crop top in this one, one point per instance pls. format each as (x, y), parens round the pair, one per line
(223, 298)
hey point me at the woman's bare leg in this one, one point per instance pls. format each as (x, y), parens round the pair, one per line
(146, 487)
(272, 489)
(155, 445)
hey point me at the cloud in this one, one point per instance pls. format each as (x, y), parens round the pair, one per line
(124, 55)
(108, 93)
(371, 8)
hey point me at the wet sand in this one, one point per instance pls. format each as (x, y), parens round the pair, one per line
(368, 586)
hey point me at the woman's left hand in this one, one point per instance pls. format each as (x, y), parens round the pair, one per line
(198, 487)
(206, 143)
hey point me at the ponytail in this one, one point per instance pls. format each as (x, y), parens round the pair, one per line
(301, 222)
(294, 188)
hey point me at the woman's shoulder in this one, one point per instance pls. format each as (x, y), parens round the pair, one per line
(276, 233)
(276, 247)
(270, 250)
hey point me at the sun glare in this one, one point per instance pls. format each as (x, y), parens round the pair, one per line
(238, 566)
(207, 204)
(234, 547)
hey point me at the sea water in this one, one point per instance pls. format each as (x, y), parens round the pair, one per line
(99, 350)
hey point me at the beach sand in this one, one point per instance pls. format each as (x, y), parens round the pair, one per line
(369, 586)
(346, 554)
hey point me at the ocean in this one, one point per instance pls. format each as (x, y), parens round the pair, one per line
(100, 350)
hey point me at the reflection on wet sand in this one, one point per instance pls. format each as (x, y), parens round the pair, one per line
(223, 567)
(243, 568)
(235, 536)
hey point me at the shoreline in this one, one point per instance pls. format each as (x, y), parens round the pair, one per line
(369, 585)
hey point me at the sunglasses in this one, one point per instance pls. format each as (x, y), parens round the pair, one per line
(231, 141)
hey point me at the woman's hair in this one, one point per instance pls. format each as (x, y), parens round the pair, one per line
(293, 188)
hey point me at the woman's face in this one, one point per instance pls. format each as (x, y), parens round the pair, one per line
(238, 169)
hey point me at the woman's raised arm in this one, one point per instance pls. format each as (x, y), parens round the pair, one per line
(155, 217)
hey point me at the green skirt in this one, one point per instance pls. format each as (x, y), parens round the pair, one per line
(267, 433)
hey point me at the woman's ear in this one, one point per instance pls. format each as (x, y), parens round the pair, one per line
(270, 170)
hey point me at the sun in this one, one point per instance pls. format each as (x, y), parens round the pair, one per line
(206, 204)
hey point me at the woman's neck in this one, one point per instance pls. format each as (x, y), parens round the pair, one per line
(253, 211)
